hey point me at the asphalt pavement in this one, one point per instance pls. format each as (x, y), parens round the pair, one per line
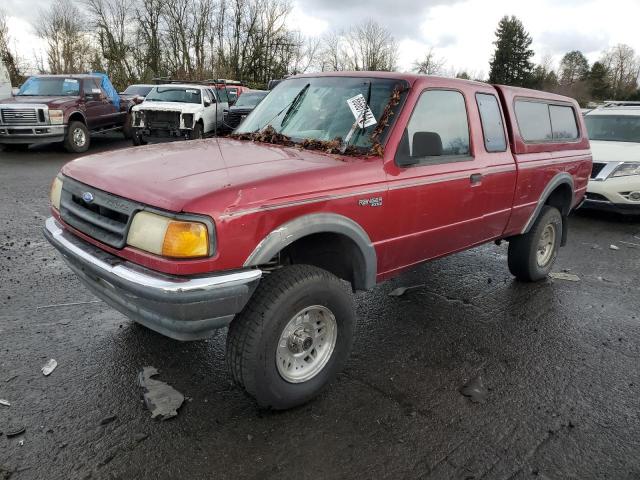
(559, 362)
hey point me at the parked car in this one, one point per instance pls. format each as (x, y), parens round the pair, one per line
(62, 108)
(334, 179)
(614, 130)
(233, 89)
(5, 82)
(136, 93)
(243, 107)
(177, 111)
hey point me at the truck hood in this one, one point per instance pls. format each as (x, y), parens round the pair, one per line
(169, 107)
(615, 151)
(176, 176)
(52, 102)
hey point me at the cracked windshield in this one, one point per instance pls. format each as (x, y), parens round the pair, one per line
(317, 108)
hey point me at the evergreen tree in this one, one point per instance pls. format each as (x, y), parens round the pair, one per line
(599, 81)
(574, 67)
(511, 62)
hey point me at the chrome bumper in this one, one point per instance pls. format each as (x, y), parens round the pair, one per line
(32, 133)
(183, 308)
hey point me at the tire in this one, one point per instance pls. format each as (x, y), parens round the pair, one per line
(526, 260)
(198, 132)
(255, 345)
(127, 129)
(78, 138)
(137, 139)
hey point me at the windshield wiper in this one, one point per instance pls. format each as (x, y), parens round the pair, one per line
(288, 107)
(356, 124)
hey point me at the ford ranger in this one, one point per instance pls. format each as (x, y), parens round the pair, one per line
(62, 108)
(334, 179)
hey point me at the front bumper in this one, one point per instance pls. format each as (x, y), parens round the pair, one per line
(31, 134)
(614, 194)
(183, 308)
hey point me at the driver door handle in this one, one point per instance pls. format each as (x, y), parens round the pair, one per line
(475, 178)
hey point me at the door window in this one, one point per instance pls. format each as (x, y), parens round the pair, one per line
(491, 119)
(438, 131)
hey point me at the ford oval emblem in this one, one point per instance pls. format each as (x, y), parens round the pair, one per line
(87, 197)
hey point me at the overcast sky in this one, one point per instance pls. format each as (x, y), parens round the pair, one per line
(460, 31)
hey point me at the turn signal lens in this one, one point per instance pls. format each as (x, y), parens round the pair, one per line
(186, 239)
(56, 193)
(167, 237)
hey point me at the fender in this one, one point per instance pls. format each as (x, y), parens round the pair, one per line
(306, 225)
(555, 182)
(84, 118)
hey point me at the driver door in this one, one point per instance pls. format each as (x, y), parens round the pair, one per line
(209, 113)
(99, 110)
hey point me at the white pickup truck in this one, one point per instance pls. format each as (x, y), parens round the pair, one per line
(177, 111)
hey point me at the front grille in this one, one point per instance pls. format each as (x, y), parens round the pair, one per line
(154, 119)
(234, 117)
(19, 116)
(105, 217)
(596, 169)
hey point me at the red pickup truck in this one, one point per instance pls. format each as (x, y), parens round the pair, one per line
(334, 179)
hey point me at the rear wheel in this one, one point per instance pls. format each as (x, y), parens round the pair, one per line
(78, 138)
(532, 254)
(127, 129)
(293, 337)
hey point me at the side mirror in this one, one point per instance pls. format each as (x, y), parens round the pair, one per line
(207, 103)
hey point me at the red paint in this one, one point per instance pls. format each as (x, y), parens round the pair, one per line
(428, 211)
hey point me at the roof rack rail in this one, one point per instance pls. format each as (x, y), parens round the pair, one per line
(225, 81)
(160, 80)
(620, 103)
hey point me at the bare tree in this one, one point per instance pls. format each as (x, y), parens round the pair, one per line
(63, 27)
(430, 64)
(372, 47)
(623, 66)
(112, 20)
(149, 15)
(332, 55)
(6, 55)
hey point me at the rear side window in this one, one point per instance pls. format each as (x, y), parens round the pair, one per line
(534, 121)
(491, 119)
(563, 123)
(541, 122)
(438, 131)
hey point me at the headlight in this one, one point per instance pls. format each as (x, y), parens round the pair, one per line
(56, 192)
(165, 236)
(626, 169)
(56, 117)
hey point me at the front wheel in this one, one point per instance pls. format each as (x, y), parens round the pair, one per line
(198, 132)
(137, 139)
(532, 254)
(293, 337)
(77, 139)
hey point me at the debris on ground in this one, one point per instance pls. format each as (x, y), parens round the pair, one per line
(614, 247)
(49, 367)
(161, 399)
(631, 244)
(475, 390)
(398, 292)
(4, 402)
(564, 276)
(15, 431)
(140, 437)
(108, 420)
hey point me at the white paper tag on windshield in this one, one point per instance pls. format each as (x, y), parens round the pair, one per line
(358, 104)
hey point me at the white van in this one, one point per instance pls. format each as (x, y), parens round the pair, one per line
(5, 82)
